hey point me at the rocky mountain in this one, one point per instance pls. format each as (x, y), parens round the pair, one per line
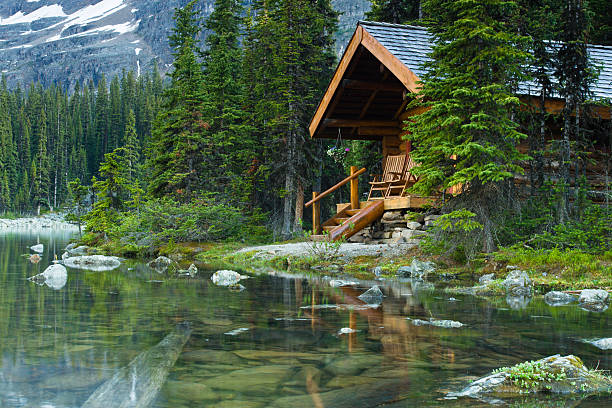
(65, 41)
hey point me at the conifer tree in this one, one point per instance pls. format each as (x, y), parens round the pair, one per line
(175, 159)
(468, 136)
(40, 164)
(132, 148)
(395, 11)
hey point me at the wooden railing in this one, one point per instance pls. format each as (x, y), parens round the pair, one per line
(316, 197)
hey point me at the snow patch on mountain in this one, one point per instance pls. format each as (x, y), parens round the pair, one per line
(54, 10)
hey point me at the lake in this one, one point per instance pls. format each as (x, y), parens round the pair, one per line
(277, 343)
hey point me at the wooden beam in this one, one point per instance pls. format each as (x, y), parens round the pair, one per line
(555, 107)
(335, 81)
(359, 123)
(393, 64)
(331, 135)
(372, 86)
(378, 131)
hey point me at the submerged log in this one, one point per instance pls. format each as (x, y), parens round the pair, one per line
(137, 384)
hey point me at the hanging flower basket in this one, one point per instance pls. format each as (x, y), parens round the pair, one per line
(338, 153)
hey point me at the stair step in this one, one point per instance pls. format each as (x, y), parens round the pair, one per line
(330, 227)
(340, 220)
(318, 238)
(350, 213)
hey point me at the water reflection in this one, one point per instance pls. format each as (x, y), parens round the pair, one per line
(272, 344)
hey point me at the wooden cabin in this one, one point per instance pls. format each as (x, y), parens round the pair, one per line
(367, 97)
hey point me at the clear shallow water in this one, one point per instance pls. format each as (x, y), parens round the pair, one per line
(57, 347)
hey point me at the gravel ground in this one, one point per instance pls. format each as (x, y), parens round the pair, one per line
(347, 250)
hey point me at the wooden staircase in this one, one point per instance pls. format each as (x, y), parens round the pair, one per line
(348, 222)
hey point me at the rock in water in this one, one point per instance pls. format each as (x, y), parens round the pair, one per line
(604, 344)
(55, 276)
(555, 374)
(34, 258)
(38, 248)
(517, 283)
(226, 277)
(98, 263)
(594, 300)
(161, 264)
(137, 384)
(417, 269)
(372, 296)
(555, 298)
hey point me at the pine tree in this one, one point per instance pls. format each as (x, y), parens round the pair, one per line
(132, 149)
(116, 124)
(395, 11)
(40, 165)
(175, 161)
(468, 136)
(230, 147)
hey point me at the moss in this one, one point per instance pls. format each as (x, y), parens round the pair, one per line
(531, 376)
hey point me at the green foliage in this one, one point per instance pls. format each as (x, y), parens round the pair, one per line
(456, 234)
(395, 11)
(325, 249)
(203, 220)
(530, 376)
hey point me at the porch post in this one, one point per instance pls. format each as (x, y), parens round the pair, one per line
(354, 190)
(316, 215)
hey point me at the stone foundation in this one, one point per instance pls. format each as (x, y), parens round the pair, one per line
(396, 227)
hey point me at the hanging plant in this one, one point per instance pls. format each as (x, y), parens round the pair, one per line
(338, 153)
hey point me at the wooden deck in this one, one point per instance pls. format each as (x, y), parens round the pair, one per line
(408, 202)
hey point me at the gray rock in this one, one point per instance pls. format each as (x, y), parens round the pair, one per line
(336, 283)
(604, 344)
(518, 302)
(413, 225)
(377, 271)
(55, 276)
(226, 277)
(432, 217)
(417, 269)
(594, 300)
(485, 279)
(446, 324)
(565, 375)
(161, 264)
(38, 248)
(372, 296)
(190, 272)
(555, 298)
(98, 263)
(517, 283)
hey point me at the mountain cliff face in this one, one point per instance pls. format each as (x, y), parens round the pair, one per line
(65, 41)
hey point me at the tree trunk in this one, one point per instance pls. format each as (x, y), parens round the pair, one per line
(299, 207)
(289, 186)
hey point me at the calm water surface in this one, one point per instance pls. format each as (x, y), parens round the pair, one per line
(58, 346)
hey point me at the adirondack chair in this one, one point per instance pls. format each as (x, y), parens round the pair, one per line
(397, 188)
(392, 172)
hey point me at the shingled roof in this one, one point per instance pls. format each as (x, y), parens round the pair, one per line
(411, 45)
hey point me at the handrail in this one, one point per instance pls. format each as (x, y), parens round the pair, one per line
(334, 188)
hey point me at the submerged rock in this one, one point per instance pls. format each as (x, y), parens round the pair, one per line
(594, 300)
(555, 298)
(336, 283)
(372, 296)
(55, 276)
(161, 264)
(447, 324)
(226, 277)
(554, 374)
(98, 263)
(517, 283)
(417, 269)
(73, 250)
(137, 384)
(346, 330)
(604, 344)
(38, 248)
(34, 258)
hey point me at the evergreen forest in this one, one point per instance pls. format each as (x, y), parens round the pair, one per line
(220, 147)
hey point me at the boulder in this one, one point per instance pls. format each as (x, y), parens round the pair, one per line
(413, 225)
(377, 271)
(34, 258)
(555, 298)
(226, 277)
(517, 283)
(392, 216)
(447, 324)
(413, 234)
(486, 279)
(161, 264)
(55, 276)
(38, 248)
(336, 283)
(190, 272)
(98, 263)
(431, 217)
(554, 374)
(417, 269)
(73, 250)
(604, 344)
(372, 296)
(594, 300)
